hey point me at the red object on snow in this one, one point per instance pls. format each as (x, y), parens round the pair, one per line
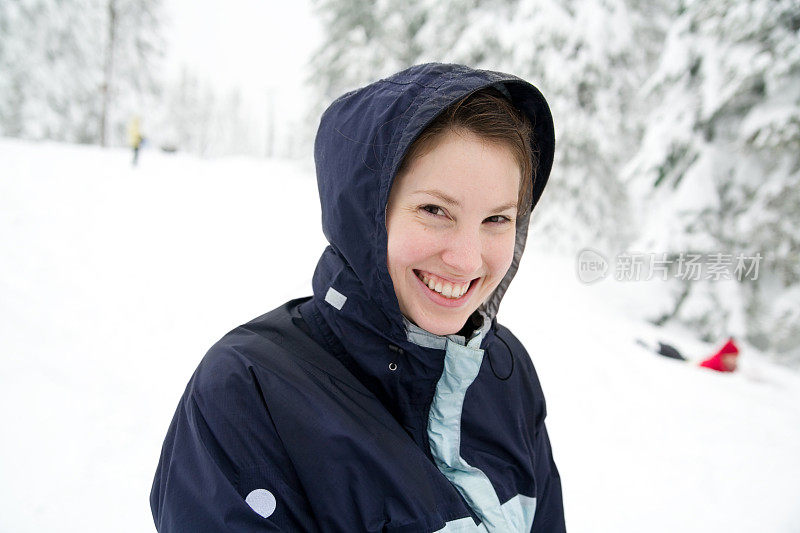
(725, 359)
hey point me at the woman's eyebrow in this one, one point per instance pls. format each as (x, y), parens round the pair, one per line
(440, 195)
(453, 202)
(504, 207)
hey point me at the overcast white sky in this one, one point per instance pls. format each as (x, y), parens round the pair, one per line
(256, 45)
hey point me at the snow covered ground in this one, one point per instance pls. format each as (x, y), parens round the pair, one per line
(114, 282)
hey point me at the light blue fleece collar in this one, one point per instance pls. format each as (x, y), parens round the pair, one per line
(426, 339)
(462, 363)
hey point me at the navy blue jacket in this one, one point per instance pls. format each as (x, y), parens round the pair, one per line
(334, 413)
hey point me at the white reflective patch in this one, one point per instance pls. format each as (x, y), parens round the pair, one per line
(261, 501)
(335, 298)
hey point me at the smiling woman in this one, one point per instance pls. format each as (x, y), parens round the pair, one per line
(451, 226)
(390, 400)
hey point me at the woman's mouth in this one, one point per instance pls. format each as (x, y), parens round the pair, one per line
(446, 288)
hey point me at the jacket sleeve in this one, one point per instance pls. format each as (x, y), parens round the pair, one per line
(549, 517)
(223, 466)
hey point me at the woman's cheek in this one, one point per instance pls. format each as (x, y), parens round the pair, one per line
(420, 244)
(503, 253)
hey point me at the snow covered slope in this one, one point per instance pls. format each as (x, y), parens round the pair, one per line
(114, 282)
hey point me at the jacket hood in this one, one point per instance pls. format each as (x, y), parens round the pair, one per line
(362, 139)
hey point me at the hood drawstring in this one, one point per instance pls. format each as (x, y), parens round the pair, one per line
(489, 356)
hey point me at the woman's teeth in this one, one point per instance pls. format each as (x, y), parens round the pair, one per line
(445, 288)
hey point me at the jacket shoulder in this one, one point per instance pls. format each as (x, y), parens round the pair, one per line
(227, 389)
(271, 343)
(514, 345)
(506, 335)
(522, 360)
(223, 439)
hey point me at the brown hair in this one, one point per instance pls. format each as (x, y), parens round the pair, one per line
(492, 117)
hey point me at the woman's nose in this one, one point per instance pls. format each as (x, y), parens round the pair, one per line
(463, 251)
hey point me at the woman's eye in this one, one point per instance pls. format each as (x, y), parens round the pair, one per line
(498, 219)
(434, 210)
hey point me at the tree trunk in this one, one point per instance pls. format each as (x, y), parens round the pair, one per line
(660, 321)
(108, 70)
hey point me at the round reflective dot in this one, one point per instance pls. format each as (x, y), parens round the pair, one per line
(392, 366)
(261, 501)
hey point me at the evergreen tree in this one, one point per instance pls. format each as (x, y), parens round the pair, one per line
(580, 53)
(677, 125)
(56, 82)
(363, 39)
(720, 161)
(132, 53)
(47, 80)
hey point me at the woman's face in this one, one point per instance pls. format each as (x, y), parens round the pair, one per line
(451, 225)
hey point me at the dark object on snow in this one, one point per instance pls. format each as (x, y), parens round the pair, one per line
(664, 349)
(669, 351)
(331, 413)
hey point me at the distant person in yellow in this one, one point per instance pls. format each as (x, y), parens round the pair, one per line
(134, 138)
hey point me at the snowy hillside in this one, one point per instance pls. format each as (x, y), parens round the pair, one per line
(114, 281)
